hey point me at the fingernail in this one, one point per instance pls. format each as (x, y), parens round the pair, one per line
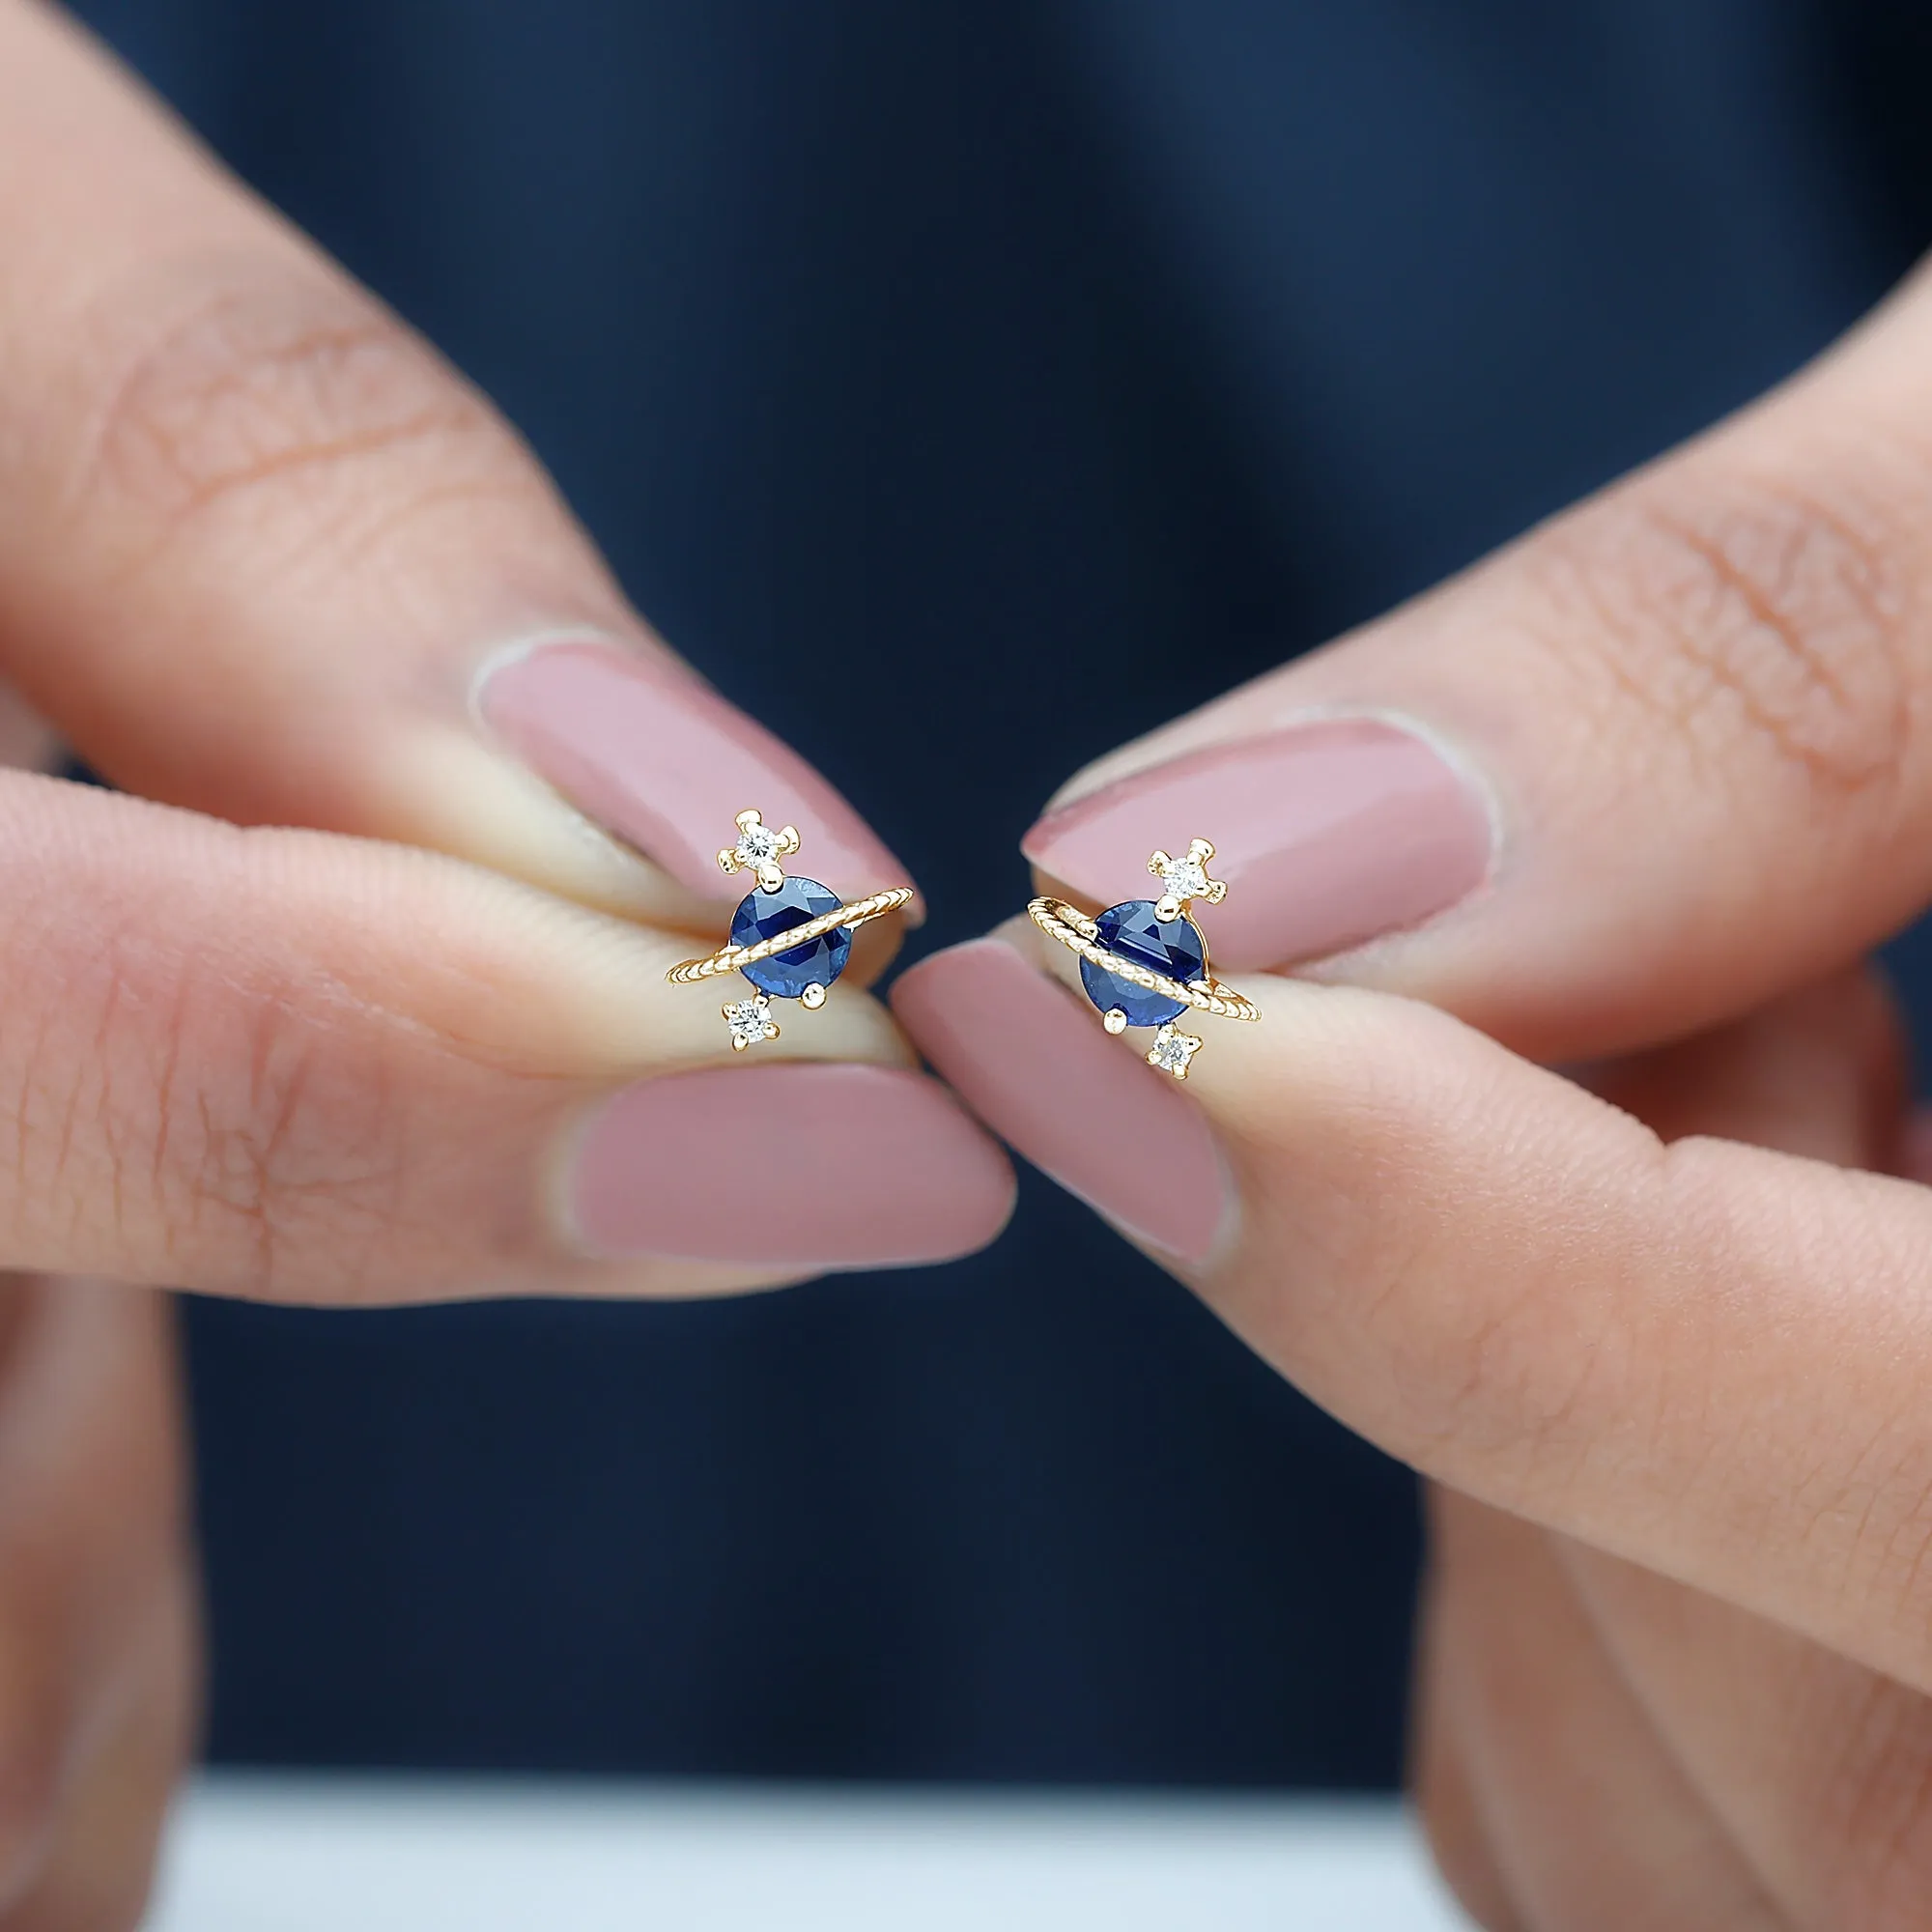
(799, 1165)
(643, 747)
(1020, 1052)
(1328, 833)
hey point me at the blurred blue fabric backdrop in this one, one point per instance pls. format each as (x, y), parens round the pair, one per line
(1013, 373)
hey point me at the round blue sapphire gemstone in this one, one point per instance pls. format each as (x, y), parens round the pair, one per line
(767, 915)
(1170, 946)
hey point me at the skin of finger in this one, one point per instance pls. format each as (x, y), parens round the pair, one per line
(1591, 1822)
(102, 1863)
(93, 1544)
(1698, 1357)
(264, 542)
(28, 743)
(1461, 1840)
(1821, 1768)
(1822, 1072)
(1696, 702)
(285, 1063)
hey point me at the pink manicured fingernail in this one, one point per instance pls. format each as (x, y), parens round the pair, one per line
(1024, 1055)
(1328, 833)
(642, 747)
(795, 1164)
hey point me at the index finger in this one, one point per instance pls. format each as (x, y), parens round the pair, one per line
(265, 555)
(1662, 759)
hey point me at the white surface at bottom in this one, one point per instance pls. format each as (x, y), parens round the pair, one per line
(278, 1853)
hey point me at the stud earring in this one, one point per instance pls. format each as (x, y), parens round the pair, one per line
(1144, 962)
(790, 937)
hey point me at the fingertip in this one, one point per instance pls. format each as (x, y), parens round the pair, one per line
(1042, 1073)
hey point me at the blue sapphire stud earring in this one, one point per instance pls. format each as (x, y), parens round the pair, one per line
(1144, 962)
(790, 937)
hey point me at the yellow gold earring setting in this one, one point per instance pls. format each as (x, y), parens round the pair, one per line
(791, 937)
(1144, 962)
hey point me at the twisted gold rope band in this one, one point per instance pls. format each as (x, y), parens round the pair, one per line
(730, 958)
(1078, 934)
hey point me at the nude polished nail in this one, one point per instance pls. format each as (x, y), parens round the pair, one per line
(1329, 834)
(652, 754)
(793, 1165)
(1027, 1058)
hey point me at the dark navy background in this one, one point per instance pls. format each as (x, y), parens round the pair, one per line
(1004, 375)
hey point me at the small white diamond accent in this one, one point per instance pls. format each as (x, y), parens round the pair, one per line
(1172, 1050)
(748, 1019)
(1185, 878)
(758, 845)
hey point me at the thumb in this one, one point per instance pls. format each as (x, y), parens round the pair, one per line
(1705, 1358)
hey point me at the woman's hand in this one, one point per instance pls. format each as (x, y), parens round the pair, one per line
(1636, 783)
(268, 562)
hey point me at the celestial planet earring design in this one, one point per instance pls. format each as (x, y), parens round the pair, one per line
(790, 937)
(1144, 962)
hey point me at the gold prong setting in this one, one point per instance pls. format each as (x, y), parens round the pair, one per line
(750, 1021)
(758, 851)
(1186, 880)
(1172, 1051)
(791, 937)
